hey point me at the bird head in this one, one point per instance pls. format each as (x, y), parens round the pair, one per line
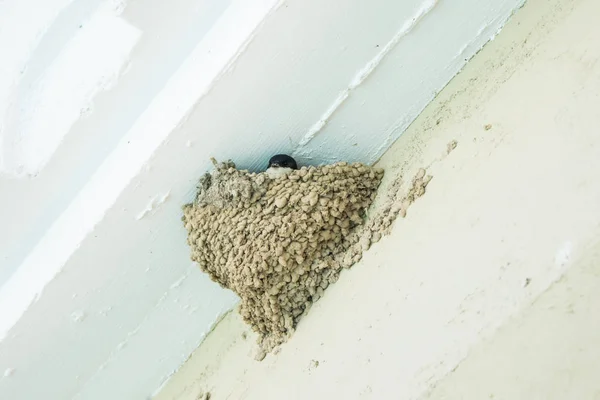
(282, 161)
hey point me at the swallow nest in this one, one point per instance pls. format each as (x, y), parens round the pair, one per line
(279, 243)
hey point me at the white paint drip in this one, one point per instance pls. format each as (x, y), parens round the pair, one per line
(563, 255)
(153, 205)
(178, 282)
(116, 6)
(118, 348)
(104, 312)
(467, 45)
(367, 70)
(320, 124)
(78, 316)
(8, 372)
(162, 385)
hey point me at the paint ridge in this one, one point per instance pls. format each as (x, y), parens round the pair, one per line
(367, 70)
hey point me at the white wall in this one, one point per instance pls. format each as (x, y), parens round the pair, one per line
(111, 109)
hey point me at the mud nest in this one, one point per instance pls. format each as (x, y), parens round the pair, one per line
(278, 243)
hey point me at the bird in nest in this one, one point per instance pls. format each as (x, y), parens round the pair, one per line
(280, 165)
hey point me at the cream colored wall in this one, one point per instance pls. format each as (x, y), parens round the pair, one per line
(550, 348)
